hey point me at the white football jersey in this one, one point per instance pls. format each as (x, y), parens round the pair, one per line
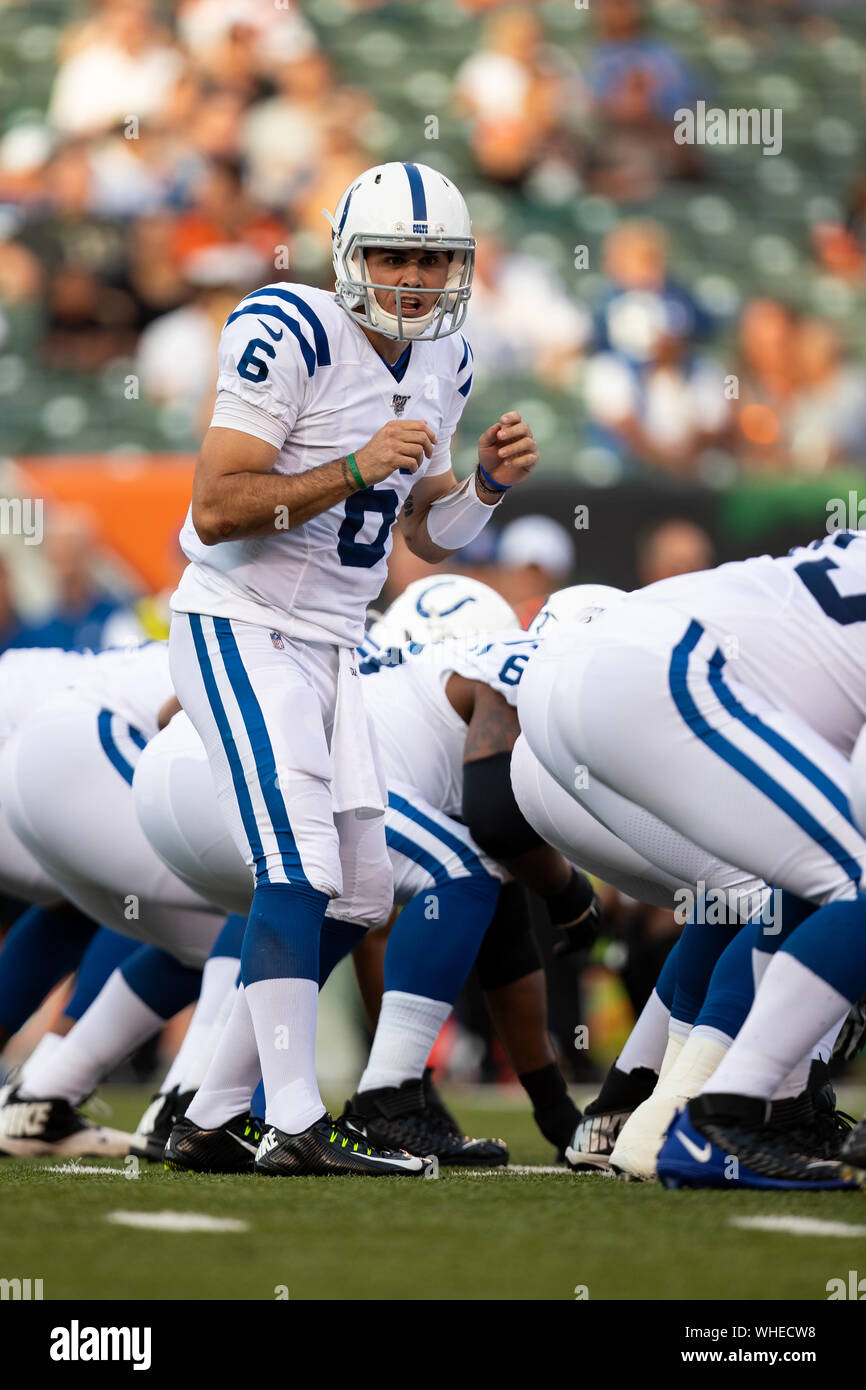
(132, 682)
(792, 626)
(420, 735)
(292, 352)
(31, 675)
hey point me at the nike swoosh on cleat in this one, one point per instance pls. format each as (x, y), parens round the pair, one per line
(395, 1162)
(251, 1148)
(699, 1155)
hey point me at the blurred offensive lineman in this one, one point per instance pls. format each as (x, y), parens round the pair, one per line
(726, 703)
(334, 414)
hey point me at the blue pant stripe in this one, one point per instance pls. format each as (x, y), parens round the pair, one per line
(467, 857)
(263, 753)
(110, 748)
(776, 741)
(402, 845)
(242, 793)
(741, 762)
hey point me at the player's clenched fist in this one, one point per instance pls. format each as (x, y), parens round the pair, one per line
(399, 444)
(507, 451)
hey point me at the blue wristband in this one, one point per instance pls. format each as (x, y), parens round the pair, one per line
(491, 482)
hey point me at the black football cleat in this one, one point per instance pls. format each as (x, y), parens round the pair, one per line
(852, 1154)
(598, 1129)
(41, 1127)
(812, 1120)
(593, 1142)
(230, 1148)
(335, 1148)
(403, 1117)
(157, 1122)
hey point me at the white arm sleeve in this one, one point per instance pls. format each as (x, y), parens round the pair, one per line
(457, 518)
(231, 412)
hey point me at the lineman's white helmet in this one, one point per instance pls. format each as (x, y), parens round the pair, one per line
(402, 205)
(448, 605)
(567, 603)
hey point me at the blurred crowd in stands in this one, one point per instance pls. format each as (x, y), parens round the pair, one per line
(187, 149)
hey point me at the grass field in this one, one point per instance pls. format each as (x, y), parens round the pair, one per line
(499, 1236)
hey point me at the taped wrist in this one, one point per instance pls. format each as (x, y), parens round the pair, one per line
(457, 518)
(509, 949)
(490, 811)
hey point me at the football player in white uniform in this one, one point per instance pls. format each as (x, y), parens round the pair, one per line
(334, 413)
(450, 885)
(753, 767)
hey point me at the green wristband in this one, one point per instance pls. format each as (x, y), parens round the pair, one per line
(355, 470)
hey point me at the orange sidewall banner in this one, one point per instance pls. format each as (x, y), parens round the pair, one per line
(138, 503)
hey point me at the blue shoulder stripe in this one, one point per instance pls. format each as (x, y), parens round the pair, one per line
(465, 358)
(465, 388)
(276, 312)
(320, 337)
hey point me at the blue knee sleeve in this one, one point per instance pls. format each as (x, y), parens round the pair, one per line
(832, 944)
(434, 942)
(667, 981)
(281, 940)
(231, 937)
(106, 952)
(161, 981)
(700, 946)
(44, 945)
(337, 940)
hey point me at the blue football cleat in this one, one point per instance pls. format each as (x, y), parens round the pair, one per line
(725, 1141)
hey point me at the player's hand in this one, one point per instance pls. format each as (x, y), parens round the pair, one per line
(399, 444)
(507, 450)
(579, 936)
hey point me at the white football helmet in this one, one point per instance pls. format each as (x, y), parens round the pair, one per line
(448, 605)
(567, 603)
(402, 205)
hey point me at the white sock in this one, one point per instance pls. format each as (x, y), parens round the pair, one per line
(646, 1043)
(115, 1024)
(408, 1027)
(797, 1080)
(678, 1035)
(40, 1053)
(215, 1000)
(284, 1018)
(793, 1009)
(233, 1074)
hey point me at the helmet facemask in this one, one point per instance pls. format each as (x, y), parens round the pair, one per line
(449, 304)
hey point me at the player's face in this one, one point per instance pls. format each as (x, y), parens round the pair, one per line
(417, 268)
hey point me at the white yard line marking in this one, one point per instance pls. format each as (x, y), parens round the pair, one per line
(798, 1226)
(518, 1168)
(85, 1168)
(175, 1221)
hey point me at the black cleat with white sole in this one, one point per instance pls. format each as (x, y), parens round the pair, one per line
(403, 1117)
(336, 1148)
(598, 1128)
(593, 1142)
(230, 1148)
(34, 1128)
(159, 1119)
